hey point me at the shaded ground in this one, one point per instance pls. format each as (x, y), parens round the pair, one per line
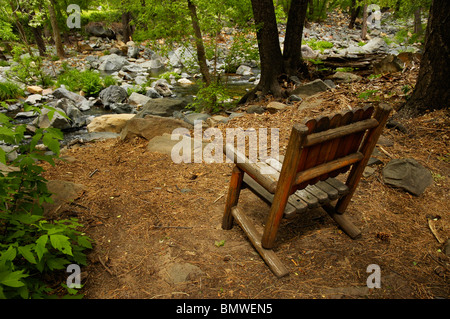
(153, 220)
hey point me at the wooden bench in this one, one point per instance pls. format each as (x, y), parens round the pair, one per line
(318, 151)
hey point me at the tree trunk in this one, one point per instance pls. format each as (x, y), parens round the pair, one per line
(39, 41)
(201, 55)
(432, 91)
(418, 20)
(354, 12)
(269, 47)
(292, 52)
(126, 31)
(364, 24)
(56, 34)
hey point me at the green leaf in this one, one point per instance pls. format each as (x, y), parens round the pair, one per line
(57, 263)
(84, 241)
(61, 243)
(25, 251)
(40, 246)
(12, 279)
(220, 243)
(51, 143)
(2, 156)
(8, 255)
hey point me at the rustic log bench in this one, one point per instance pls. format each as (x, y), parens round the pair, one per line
(318, 151)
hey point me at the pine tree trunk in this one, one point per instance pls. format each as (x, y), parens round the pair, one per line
(432, 91)
(56, 34)
(364, 24)
(418, 20)
(201, 55)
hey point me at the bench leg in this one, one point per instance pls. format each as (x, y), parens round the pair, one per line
(341, 219)
(233, 196)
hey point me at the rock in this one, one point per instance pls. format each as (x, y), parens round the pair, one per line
(6, 169)
(138, 99)
(98, 29)
(181, 57)
(152, 93)
(274, 107)
(133, 51)
(64, 93)
(62, 192)
(216, 119)
(141, 80)
(311, 88)
(11, 153)
(375, 45)
(122, 108)
(34, 89)
(112, 62)
(26, 114)
(109, 123)
(345, 77)
(57, 121)
(133, 68)
(185, 82)
(162, 87)
(407, 174)
(33, 99)
(178, 273)
(389, 64)
(244, 70)
(192, 117)
(294, 98)
(162, 107)
(72, 112)
(150, 126)
(152, 64)
(258, 109)
(113, 94)
(308, 53)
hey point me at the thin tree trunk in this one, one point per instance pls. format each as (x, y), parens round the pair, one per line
(364, 25)
(39, 41)
(432, 91)
(354, 12)
(199, 44)
(418, 20)
(56, 34)
(126, 31)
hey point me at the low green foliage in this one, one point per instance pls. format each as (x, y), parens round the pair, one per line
(367, 94)
(34, 251)
(319, 45)
(9, 91)
(88, 81)
(210, 98)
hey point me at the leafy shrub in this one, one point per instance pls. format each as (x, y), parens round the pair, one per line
(9, 90)
(210, 98)
(88, 81)
(32, 248)
(319, 45)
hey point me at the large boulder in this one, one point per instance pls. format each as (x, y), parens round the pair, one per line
(407, 174)
(109, 123)
(162, 107)
(57, 120)
(112, 62)
(151, 126)
(98, 29)
(113, 94)
(64, 93)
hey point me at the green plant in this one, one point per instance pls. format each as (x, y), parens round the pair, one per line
(210, 98)
(33, 249)
(319, 45)
(9, 90)
(367, 94)
(88, 81)
(28, 68)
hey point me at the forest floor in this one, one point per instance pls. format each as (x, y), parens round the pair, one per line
(153, 220)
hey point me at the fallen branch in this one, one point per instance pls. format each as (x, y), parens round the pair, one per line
(434, 232)
(106, 267)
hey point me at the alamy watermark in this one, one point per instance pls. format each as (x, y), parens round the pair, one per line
(74, 280)
(374, 279)
(196, 150)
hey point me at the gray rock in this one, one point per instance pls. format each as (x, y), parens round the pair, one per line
(345, 77)
(162, 107)
(133, 68)
(308, 53)
(191, 118)
(11, 153)
(311, 88)
(294, 98)
(140, 80)
(33, 99)
(69, 107)
(255, 109)
(152, 93)
(112, 62)
(57, 120)
(162, 87)
(138, 99)
(122, 108)
(113, 94)
(64, 93)
(407, 174)
(98, 29)
(244, 70)
(133, 52)
(152, 64)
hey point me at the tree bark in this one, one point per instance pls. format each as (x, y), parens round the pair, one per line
(432, 90)
(56, 34)
(292, 52)
(269, 47)
(39, 41)
(364, 23)
(418, 20)
(201, 55)
(354, 12)
(126, 31)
